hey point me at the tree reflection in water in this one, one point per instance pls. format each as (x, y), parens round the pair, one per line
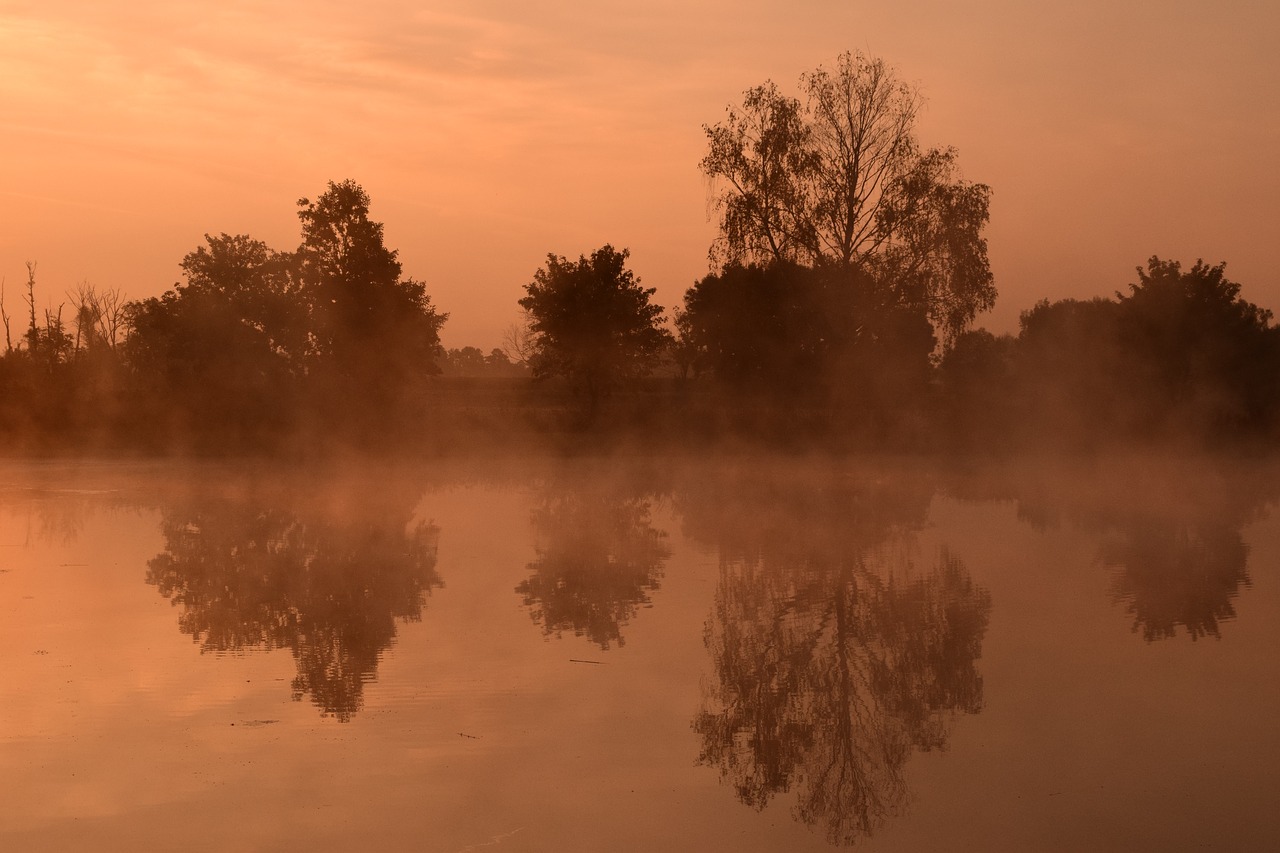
(835, 657)
(597, 559)
(1170, 531)
(1172, 572)
(327, 581)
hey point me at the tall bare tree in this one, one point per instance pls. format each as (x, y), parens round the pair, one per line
(99, 317)
(4, 317)
(33, 332)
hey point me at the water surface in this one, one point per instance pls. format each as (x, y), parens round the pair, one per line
(729, 654)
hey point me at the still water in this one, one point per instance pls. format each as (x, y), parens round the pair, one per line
(729, 654)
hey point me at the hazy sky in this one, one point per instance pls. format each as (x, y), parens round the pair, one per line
(491, 133)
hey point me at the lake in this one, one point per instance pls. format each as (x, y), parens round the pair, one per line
(730, 653)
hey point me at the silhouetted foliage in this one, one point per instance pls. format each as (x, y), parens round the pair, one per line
(598, 558)
(372, 333)
(1180, 359)
(255, 337)
(284, 571)
(810, 340)
(839, 179)
(764, 328)
(1206, 359)
(592, 323)
(978, 378)
(843, 247)
(830, 336)
(472, 362)
(54, 384)
(221, 354)
(1070, 357)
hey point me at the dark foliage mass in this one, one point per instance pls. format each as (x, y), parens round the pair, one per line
(849, 266)
(1180, 358)
(371, 333)
(222, 351)
(256, 338)
(591, 323)
(256, 347)
(845, 253)
(472, 362)
(830, 337)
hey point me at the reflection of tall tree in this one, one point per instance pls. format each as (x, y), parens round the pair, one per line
(1172, 573)
(834, 657)
(252, 574)
(598, 558)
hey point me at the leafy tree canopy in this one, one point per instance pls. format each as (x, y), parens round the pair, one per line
(838, 177)
(784, 329)
(251, 325)
(591, 322)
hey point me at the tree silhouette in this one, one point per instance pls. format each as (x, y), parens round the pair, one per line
(1203, 357)
(840, 179)
(372, 331)
(598, 558)
(835, 657)
(270, 572)
(472, 362)
(221, 354)
(255, 338)
(763, 328)
(1180, 359)
(591, 322)
(975, 377)
(61, 384)
(1069, 369)
(829, 334)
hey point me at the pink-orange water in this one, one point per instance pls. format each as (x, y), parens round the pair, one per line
(197, 657)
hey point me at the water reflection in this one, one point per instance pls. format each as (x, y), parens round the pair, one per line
(1171, 534)
(836, 656)
(598, 557)
(1171, 573)
(56, 515)
(327, 580)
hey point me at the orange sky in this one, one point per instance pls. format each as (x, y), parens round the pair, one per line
(491, 133)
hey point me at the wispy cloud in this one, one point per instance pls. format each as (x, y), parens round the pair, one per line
(551, 117)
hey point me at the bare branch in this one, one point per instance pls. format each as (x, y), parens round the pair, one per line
(4, 316)
(517, 340)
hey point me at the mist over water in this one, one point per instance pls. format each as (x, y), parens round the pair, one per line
(735, 652)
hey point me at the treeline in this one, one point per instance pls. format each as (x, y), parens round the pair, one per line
(261, 349)
(257, 347)
(1181, 358)
(849, 268)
